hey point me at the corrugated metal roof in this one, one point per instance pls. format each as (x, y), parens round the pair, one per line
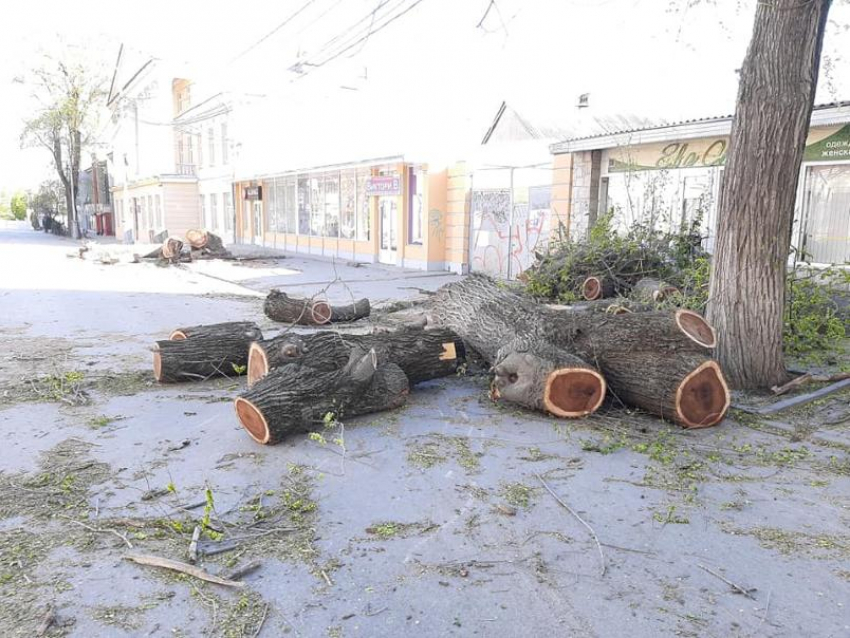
(699, 120)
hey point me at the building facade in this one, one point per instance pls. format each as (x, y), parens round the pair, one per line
(94, 200)
(669, 177)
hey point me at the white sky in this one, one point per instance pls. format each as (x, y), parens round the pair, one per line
(433, 65)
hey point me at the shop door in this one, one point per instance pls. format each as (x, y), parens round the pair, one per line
(258, 222)
(387, 213)
(825, 224)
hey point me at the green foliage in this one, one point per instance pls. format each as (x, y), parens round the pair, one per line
(18, 206)
(813, 322)
(209, 507)
(623, 258)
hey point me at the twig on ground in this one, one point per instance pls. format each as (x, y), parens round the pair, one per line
(48, 619)
(580, 520)
(167, 563)
(262, 621)
(246, 569)
(99, 530)
(193, 546)
(376, 612)
(327, 578)
(741, 590)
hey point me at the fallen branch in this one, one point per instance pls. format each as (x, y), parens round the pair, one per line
(183, 568)
(99, 530)
(738, 588)
(47, 621)
(808, 377)
(579, 519)
(193, 546)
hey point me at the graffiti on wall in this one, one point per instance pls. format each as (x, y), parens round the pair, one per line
(504, 241)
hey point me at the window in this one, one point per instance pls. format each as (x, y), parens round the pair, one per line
(348, 203)
(211, 142)
(190, 151)
(200, 143)
(284, 193)
(150, 211)
(331, 198)
(363, 206)
(304, 205)
(224, 144)
(227, 205)
(415, 204)
(271, 205)
(204, 210)
(214, 211)
(317, 206)
(158, 200)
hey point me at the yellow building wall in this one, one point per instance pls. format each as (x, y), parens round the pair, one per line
(457, 217)
(435, 220)
(562, 185)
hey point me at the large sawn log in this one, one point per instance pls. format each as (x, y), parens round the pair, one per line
(226, 330)
(673, 347)
(198, 356)
(421, 354)
(295, 398)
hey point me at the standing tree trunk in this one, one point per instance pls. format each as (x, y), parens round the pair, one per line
(775, 99)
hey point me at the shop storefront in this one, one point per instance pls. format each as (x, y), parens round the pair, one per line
(390, 212)
(670, 177)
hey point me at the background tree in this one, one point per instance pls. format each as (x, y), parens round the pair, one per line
(68, 94)
(756, 214)
(18, 205)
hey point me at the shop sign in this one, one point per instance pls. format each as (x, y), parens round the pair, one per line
(253, 192)
(834, 146)
(825, 144)
(383, 185)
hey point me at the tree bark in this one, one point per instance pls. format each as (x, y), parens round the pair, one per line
(200, 357)
(295, 398)
(309, 312)
(775, 98)
(421, 354)
(227, 330)
(171, 248)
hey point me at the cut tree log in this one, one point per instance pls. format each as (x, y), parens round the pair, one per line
(202, 357)
(597, 288)
(227, 330)
(652, 290)
(485, 316)
(295, 398)
(421, 354)
(196, 238)
(171, 248)
(311, 312)
(524, 342)
(688, 388)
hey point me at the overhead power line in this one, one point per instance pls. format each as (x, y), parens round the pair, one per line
(273, 31)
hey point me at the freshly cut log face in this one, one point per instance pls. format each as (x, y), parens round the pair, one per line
(547, 378)
(295, 398)
(421, 354)
(597, 288)
(226, 330)
(200, 357)
(196, 238)
(689, 388)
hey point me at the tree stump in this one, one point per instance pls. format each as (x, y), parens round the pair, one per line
(196, 238)
(171, 249)
(421, 354)
(226, 330)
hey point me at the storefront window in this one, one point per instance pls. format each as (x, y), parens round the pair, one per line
(227, 204)
(317, 207)
(363, 206)
(415, 204)
(304, 205)
(331, 193)
(348, 203)
(271, 205)
(280, 198)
